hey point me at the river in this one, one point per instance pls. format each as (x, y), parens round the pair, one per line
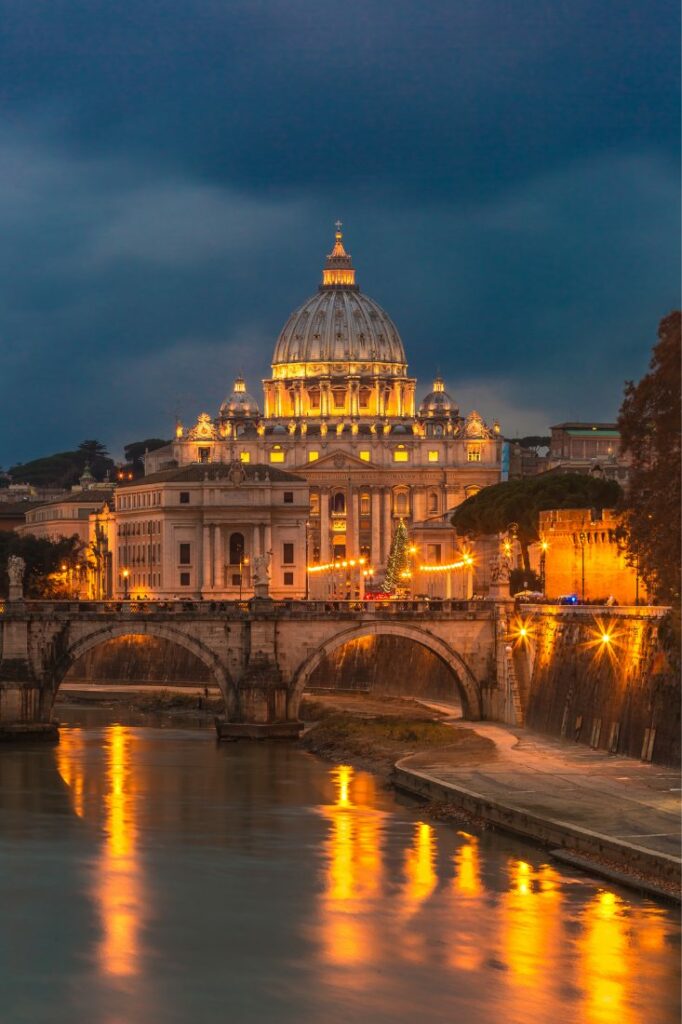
(149, 875)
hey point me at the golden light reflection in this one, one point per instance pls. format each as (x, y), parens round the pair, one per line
(420, 871)
(119, 885)
(466, 953)
(468, 867)
(531, 929)
(354, 871)
(421, 880)
(607, 960)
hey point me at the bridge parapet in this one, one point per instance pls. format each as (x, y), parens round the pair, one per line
(262, 653)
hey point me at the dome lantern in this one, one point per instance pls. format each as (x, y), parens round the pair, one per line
(338, 270)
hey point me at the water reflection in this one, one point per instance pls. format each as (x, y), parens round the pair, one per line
(357, 900)
(118, 882)
(354, 869)
(119, 888)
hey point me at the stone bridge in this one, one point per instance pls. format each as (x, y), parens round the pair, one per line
(261, 654)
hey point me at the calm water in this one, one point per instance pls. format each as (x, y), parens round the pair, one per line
(148, 875)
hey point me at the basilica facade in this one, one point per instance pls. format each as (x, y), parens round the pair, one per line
(341, 412)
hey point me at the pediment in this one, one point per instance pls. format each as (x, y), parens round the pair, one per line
(339, 460)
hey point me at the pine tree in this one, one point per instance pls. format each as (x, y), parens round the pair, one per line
(398, 560)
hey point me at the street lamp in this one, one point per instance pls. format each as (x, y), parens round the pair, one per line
(543, 565)
(125, 574)
(582, 537)
(243, 560)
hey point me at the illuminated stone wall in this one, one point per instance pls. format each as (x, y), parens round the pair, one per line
(386, 665)
(571, 535)
(139, 659)
(607, 693)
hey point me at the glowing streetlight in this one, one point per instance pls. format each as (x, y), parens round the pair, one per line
(126, 575)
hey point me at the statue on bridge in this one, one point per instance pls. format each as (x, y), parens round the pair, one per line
(16, 567)
(261, 574)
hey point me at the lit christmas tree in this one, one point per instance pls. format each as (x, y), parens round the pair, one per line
(398, 561)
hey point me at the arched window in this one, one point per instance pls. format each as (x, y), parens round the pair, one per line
(433, 504)
(339, 502)
(402, 503)
(236, 548)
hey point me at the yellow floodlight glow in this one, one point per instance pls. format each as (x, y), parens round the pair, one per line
(606, 638)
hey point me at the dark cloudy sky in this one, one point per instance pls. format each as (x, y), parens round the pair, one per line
(170, 171)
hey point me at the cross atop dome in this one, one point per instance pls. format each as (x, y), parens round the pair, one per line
(338, 270)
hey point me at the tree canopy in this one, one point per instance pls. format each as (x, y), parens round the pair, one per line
(63, 469)
(649, 424)
(44, 559)
(520, 501)
(136, 449)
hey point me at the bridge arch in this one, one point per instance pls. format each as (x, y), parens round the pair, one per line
(467, 685)
(100, 635)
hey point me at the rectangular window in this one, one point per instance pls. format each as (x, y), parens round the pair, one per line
(288, 497)
(276, 456)
(287, 554)
(184, 579)
(364, 504)
(473, 453)
(400, 455)
(245, 456)
(313, 456)
(433, 456)
(204, 454)
(314, 504)
(184, 497)
(235, 579)
(185, 554)
(288, 579)
(433, 554)
(364, 456)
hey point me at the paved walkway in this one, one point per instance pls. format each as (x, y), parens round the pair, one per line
(617, 797)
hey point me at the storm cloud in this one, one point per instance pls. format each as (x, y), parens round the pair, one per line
(506, 173)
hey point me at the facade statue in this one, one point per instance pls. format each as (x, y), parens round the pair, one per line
(16, 568)
(261, 568)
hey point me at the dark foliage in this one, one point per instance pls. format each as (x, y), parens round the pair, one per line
(43, 558)
(520, 501)
(136, 449)
(64, 468)
(649, 423)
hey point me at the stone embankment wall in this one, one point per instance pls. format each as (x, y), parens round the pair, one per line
(386, 665)
(620, 694)
(139, 659)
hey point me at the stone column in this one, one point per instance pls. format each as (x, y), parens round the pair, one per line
(324, 525)
(206, 557)
(375, 555)
(353, 524)
(324, 398)
(387, 525)
(218, 559)
(354, 398)
(255, 542)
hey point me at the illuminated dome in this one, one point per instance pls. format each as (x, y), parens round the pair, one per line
(240, 404)
(338, 325)
(438, 402)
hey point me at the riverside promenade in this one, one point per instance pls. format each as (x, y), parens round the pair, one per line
(614, 811)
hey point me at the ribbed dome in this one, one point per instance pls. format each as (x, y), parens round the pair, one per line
(339, 324)
(240, 404)
(438, 402)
